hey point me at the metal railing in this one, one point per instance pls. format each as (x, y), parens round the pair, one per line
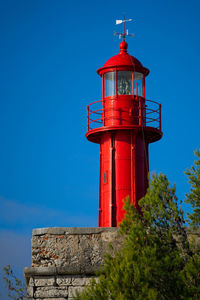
(148, 114)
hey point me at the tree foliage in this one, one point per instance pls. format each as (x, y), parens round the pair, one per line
(157, 260)
(16, 288)
(193, 197)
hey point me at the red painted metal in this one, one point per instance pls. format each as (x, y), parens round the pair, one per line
(123, 125)
(123, 61)
(101, 114)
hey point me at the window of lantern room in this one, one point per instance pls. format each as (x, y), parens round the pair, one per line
(124, 82)
(110, 86)
(138, 84)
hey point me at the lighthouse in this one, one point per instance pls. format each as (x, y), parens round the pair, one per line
(123, 123)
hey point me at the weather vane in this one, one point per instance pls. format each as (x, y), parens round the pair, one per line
(125, 32)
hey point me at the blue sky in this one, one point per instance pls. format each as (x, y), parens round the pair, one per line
(49, 54)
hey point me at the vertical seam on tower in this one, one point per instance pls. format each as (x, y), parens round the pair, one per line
(112, 179)
(134, 168)
(100, 191)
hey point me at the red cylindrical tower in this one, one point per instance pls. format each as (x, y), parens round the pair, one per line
(124, 122)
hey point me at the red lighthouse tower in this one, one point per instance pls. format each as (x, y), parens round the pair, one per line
(124, 122)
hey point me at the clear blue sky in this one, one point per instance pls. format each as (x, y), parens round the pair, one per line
(49, 54)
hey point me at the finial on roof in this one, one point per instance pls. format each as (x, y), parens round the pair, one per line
(123, 46)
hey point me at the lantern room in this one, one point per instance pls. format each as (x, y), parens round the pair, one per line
(123, 74)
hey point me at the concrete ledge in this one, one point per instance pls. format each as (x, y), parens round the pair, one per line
(73, 230)
(54, 271)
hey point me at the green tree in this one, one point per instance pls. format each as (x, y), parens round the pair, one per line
(193, 197)
(156, 260)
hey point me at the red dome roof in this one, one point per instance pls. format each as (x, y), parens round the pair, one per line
(123, 59)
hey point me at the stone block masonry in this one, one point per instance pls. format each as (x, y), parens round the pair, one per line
(51, 283)
(66, 259)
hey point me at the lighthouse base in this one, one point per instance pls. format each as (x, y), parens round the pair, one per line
(65, 259)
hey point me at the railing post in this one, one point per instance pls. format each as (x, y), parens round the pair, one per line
(160, 117)
(140, 112)
(103, 112)
(88, 118)
(144, 89)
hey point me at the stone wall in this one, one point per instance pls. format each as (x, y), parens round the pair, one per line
(65, 260)
(54, 283)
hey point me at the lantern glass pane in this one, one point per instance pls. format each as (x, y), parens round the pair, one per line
(110, 86)
(138, 84)
(124, 82)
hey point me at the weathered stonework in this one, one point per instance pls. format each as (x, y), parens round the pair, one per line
(65, 260)
(55, 285)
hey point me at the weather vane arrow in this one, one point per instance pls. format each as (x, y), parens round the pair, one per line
(125, 32)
